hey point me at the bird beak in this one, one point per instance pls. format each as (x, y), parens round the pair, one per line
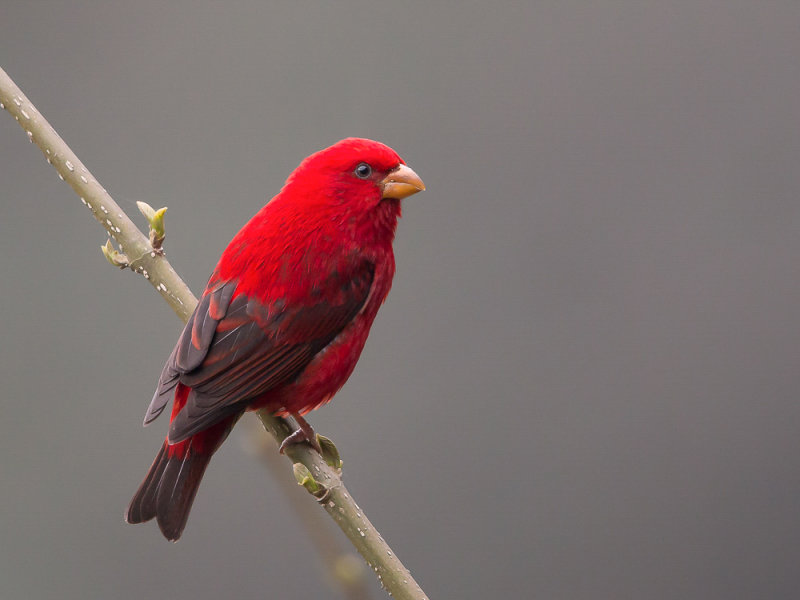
(401, 183)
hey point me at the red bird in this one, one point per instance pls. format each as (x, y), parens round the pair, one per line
(284, 316)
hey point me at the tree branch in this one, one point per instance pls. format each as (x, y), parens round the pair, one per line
(136, 252)
(345, 569)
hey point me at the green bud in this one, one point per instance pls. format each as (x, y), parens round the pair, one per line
(304, 478)
(147, 210)
(329, 452)
(113, 256)
(157, 222)
(155, 219)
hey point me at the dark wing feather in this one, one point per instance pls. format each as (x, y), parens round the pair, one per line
(253, 348)
(192, 345)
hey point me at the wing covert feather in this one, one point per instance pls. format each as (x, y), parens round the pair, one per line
(251, 348)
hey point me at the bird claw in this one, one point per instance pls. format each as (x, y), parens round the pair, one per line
(298, 437)
(303, 433)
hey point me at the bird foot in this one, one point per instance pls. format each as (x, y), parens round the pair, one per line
(303, 433)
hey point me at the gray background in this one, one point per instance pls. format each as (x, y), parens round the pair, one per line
(584, 383)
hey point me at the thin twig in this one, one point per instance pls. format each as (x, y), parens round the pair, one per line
(345, 569)
(147, 261)
(342, 508)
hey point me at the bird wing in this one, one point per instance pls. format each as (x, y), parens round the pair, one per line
(235, 347)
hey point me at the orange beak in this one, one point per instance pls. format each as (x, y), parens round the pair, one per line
(401, 183)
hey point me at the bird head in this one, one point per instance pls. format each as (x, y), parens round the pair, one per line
(356, 182)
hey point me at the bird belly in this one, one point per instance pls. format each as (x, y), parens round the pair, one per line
(324, 375)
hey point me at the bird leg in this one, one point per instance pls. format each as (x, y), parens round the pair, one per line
(303, 433)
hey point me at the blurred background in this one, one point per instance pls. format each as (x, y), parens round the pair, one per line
(584, 383)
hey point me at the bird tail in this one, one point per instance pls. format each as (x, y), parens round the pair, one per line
(170, 486)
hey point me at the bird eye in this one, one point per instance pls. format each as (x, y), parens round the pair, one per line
(363, 171)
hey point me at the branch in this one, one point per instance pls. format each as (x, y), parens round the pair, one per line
(345, 569)
(137, 253)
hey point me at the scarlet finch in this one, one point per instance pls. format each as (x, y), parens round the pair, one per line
(284, 316)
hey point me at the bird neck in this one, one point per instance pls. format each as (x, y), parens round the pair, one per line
(377, 227)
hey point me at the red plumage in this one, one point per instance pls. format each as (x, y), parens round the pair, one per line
(284, 316)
